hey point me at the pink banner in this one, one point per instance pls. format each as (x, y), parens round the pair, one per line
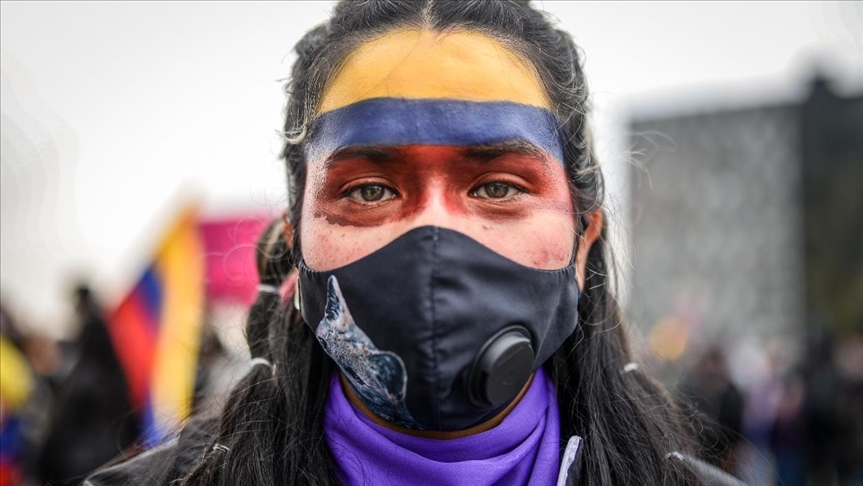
(229, 245)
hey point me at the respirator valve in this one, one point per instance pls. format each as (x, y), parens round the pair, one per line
(502, 367)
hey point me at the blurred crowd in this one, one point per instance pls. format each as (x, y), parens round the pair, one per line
(65, 405)
(65, 408)
(795, 421)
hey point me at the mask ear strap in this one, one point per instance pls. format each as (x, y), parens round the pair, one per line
(288, 235)
(298, 304)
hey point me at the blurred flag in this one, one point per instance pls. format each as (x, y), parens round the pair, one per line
(15, 386)
(156, 330)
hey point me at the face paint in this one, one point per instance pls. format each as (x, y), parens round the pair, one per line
(395, 122)
(419, 64)
(437, 200)
(450, 176)
(436, 331)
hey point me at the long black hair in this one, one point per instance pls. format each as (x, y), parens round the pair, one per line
(271, 430)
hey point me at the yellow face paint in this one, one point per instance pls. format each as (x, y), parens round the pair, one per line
(415, 64)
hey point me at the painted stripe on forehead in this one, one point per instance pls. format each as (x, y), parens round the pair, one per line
(396, 121)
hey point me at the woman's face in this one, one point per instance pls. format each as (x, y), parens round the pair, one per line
(365, 190)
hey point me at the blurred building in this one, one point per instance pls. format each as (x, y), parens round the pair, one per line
(832, 156)
(749, 221)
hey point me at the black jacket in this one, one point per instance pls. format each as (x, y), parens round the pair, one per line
(169, 462)
(92, 419)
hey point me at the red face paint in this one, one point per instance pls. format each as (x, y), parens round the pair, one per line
(514, 200)
(411, 178)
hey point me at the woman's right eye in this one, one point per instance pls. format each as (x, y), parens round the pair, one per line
(370, 193)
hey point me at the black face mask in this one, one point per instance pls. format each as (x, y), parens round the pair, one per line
(435, 331)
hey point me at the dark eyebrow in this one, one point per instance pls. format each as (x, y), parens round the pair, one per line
(489, 151)
(478, 153)
(370, 153)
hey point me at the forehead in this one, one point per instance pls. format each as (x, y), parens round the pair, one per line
(420, 64)
(416, 87)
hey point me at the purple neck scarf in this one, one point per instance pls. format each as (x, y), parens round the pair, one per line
(522, 450)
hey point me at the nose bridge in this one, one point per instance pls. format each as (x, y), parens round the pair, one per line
(440, 209)
(434, 210)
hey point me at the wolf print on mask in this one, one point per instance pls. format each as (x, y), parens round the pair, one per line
(378, 377)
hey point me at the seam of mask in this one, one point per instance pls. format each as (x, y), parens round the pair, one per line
(435, 236)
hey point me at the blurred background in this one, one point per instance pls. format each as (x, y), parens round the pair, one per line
(140, 160)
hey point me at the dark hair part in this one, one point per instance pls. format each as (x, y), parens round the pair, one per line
(272, 426)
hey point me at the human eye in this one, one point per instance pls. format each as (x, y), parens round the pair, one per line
(370, 193)
(497, 190)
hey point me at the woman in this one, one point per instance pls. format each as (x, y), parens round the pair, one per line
(453, 321)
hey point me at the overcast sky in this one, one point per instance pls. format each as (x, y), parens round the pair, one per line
(114, 113)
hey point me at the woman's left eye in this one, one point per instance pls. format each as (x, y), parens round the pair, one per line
(370, 193)
(496, 190)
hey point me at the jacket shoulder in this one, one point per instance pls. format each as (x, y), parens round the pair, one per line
(152, 468)
(708, 473)
(161, 465)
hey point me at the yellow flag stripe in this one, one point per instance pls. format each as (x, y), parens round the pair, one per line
(418, 63)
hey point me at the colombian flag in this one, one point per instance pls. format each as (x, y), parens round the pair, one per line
(156, 330)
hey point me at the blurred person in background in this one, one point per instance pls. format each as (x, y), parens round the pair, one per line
(788, 440)
(850, 358)
(713, 394)
(823, 386)
(774, 452)
(831, 424)
(91, 421)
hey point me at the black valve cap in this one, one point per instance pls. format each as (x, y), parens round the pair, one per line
(502, 367)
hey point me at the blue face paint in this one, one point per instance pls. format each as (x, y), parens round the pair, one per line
(397, 121)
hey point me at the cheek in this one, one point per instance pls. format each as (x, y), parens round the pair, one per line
(546, 243)
(324, 244)
(327, 246)
(543, 238)
(321, 242)
(547, 238)
(557, 251)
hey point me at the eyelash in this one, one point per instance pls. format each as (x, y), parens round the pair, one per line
(510, 186)
(355, 192)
